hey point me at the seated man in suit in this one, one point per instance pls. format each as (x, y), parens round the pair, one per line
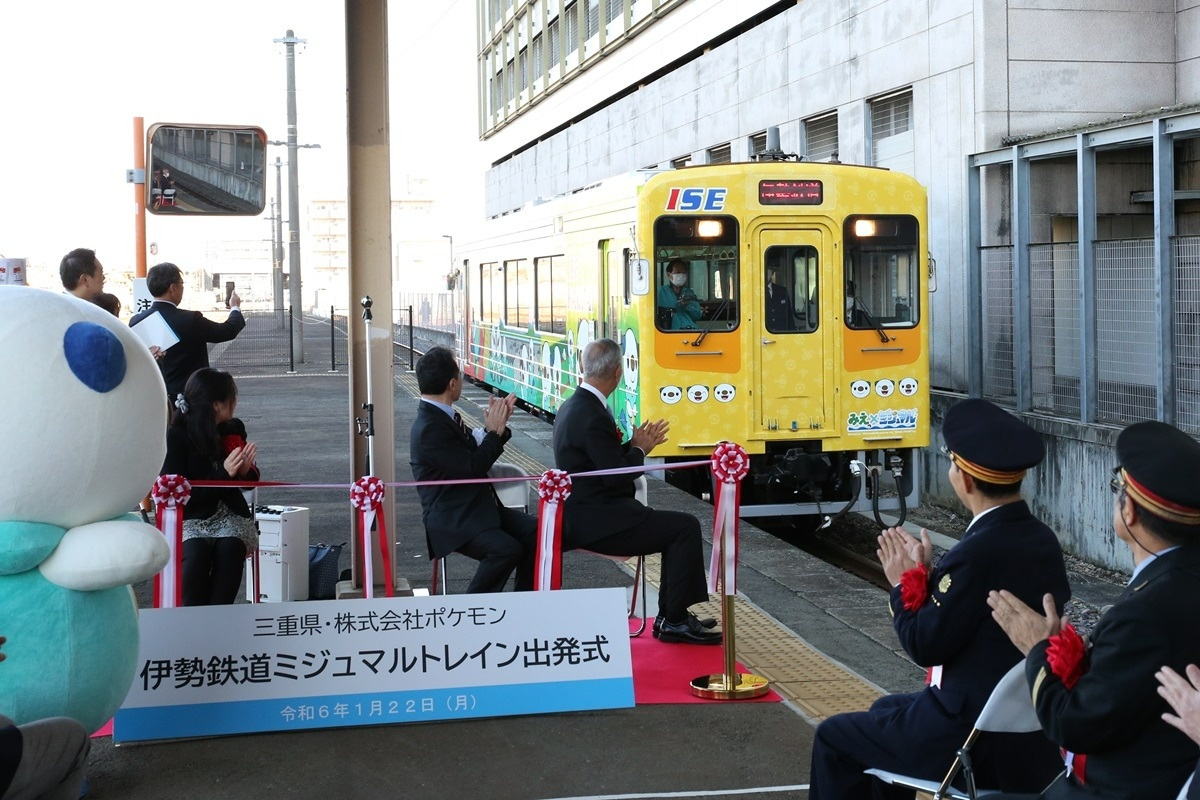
(602, 515)
(942, 619)
(195, 331)
(466, 518)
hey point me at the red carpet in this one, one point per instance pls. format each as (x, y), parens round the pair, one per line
(663, 673)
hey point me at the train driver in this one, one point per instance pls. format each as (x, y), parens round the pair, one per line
(781, 312)
(678, 308)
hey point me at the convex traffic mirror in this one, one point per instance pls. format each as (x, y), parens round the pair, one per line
(206, 169)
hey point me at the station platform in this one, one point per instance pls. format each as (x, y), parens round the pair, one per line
(821, 636)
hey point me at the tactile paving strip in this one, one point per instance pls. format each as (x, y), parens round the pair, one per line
(816, 686)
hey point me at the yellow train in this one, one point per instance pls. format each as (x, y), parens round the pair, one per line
(796, 325)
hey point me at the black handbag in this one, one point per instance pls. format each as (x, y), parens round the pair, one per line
(323, 570)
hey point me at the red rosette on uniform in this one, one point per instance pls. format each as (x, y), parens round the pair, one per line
(553, 489)
(366, 495)
(1065, 655)
(170, 494)
(914, 587)
(730, 464)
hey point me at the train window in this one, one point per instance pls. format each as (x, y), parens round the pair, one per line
(790, 295)
(551, 298)
(696, 265)
(490, 307)
(518, 294)
(882, 279)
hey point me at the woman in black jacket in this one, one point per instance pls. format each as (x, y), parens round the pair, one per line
(205, 442)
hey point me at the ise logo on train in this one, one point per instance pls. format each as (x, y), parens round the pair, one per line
(696, 199)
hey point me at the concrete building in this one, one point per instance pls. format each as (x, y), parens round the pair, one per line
(1048, 133)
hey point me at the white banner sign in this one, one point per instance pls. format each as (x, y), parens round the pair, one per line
(217, 670)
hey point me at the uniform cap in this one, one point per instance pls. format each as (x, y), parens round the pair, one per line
(1158, 464)
(990, 444)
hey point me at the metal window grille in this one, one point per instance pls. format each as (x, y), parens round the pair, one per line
(523, 68)
(1126, 313)
(1054, 304)
(538, 66)
(682, 161)
(1186, 251)
(510, 83)
(572, 34)
(593, 18)
(891, 115)
(552, 31)
(613, 9)
(998, 365)
(758, 143)
(719, 154)
(820, 138)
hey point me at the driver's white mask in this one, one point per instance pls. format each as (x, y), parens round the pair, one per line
(678, 279)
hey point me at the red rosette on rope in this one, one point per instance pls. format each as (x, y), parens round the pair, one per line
(170, 494)
(729, 465)
(1065, 655)
(914, 587)
(366, 495)
(171, 491)
(554, 487)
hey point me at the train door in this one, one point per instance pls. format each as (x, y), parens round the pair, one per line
(791, 383)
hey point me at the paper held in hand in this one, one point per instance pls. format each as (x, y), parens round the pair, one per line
(155, 332)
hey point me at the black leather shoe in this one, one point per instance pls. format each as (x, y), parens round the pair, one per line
(690, 631)
(708, 623)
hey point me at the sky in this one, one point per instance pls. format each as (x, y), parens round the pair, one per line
(75, 74)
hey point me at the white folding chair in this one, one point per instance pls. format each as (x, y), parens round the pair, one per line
(640, 491)
(512, 494)
(1009, 709)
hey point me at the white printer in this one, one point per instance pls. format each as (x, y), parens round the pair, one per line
(282, 554)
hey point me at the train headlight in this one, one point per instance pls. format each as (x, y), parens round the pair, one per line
(864, 227)
(709, 228)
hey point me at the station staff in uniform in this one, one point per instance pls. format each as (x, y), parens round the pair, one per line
(943, 621)
(1101, 701)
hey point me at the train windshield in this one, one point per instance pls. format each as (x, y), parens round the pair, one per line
(696, 266)
(882, 282)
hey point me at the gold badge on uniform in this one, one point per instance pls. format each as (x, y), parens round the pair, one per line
(944, 584)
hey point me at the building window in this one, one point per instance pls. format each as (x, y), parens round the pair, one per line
(510, 81)
(891, 132)
(758, 144)
(539, 67)
(682, 161)
(572, 29)
(614, 10)
(523, 68)
(821, 138)
(593, 18)
(719, 154)
(552, 31)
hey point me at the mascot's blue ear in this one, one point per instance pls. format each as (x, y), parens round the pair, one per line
(95, 355)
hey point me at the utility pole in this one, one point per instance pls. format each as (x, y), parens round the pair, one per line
(277, 248)
(293, 195)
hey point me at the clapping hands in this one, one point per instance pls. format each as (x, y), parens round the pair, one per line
(649, 435)
(495, 418)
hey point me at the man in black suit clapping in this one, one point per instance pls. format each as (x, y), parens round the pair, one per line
(602, 514)
(466, 518)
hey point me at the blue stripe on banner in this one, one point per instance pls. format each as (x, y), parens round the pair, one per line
(375, 708)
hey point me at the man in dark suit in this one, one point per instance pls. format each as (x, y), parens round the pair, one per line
(1104, 703)
(82, 274)
(165, 283)
(943, 621)
(602, 514)
(466, 518)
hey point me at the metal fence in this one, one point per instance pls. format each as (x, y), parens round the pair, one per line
(1127, 352)
(266, 343)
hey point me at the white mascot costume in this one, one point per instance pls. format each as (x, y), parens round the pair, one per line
(83, 418)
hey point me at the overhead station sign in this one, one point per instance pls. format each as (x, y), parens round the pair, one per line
(243, 668)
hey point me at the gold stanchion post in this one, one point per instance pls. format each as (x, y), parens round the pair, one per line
(730, 685)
